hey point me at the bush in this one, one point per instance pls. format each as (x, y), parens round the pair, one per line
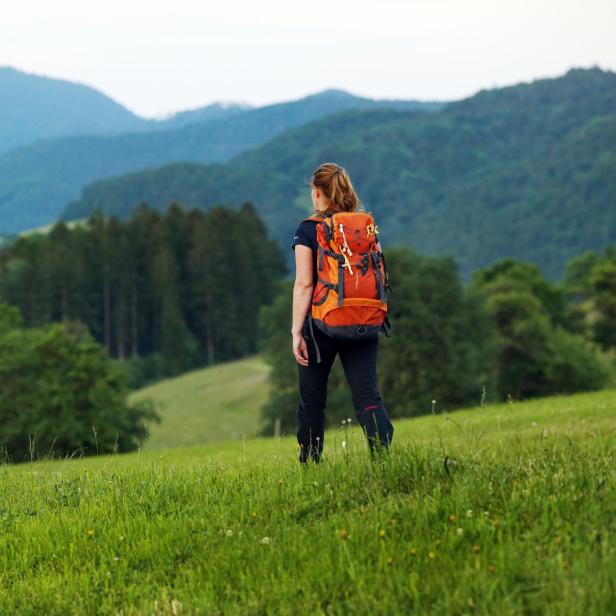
(62, 394)
(577, 365)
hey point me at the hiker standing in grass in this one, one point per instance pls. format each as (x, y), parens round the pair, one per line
(339, 306)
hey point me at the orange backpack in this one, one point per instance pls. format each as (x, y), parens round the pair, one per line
(349, 300)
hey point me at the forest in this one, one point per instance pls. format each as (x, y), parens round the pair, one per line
(165, 292)
(509, 334)
(525, 171)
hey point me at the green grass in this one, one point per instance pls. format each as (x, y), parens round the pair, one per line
(45, 229)
(217, 403)
(524, 522)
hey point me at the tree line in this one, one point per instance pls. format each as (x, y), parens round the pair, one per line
(509, 334)
(91, 311)
(165, 292)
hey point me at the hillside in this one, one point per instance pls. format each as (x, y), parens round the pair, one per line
(212, 404)
(518, 521)
(37, 181)
(525, 171)
(34, 107)
(222, 403)
(200, 115)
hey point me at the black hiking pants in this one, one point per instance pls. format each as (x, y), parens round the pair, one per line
(358, 359)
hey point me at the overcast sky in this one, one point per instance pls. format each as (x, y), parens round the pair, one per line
(156, 57)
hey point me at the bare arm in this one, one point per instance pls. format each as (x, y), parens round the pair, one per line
(302, 297)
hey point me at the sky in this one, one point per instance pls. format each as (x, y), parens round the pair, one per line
(156, 57)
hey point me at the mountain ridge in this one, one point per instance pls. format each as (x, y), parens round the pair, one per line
(526, 171)
(38, 180)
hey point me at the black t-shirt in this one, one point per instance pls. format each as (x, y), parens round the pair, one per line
(306, 234)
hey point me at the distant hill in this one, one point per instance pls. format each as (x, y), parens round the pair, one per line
(201, 115)
(527, 171)
(37, 181)
(34, 107)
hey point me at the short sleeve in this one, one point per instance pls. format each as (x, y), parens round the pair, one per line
(301, 237)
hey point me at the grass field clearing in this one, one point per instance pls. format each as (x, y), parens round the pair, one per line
(524, 522)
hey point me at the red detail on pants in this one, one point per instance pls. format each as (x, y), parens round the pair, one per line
(374, 406)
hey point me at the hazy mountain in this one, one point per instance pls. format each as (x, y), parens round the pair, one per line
(201, 115)
(34, 107)
(37, 181)
(527, 171)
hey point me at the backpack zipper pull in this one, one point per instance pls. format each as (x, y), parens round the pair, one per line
(345, 245)
(347, 264)
(345, 248)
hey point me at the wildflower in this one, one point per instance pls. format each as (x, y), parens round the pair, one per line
(469, 513)
(343, 444)
(460, 532)
(390, 560)
(533, 424)
(452, 518)
(229, 532)
(349, 420)
(433, 401)
(254, 514)
(382, 533)
(431, 555)
(343, 533)
(116, 558)
(90, 533)
(413, 551)
(343, 421)
(281, 481)
(265, 540)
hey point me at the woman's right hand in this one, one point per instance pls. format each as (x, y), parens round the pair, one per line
(300, 349)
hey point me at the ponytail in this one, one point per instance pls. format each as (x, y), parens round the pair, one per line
(336, 184)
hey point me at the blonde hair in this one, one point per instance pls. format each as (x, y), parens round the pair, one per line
(336, 184)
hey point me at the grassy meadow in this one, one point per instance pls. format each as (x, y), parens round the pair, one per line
(522, 520)
(207, 405)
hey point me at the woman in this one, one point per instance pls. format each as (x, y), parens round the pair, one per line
(331, 191)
